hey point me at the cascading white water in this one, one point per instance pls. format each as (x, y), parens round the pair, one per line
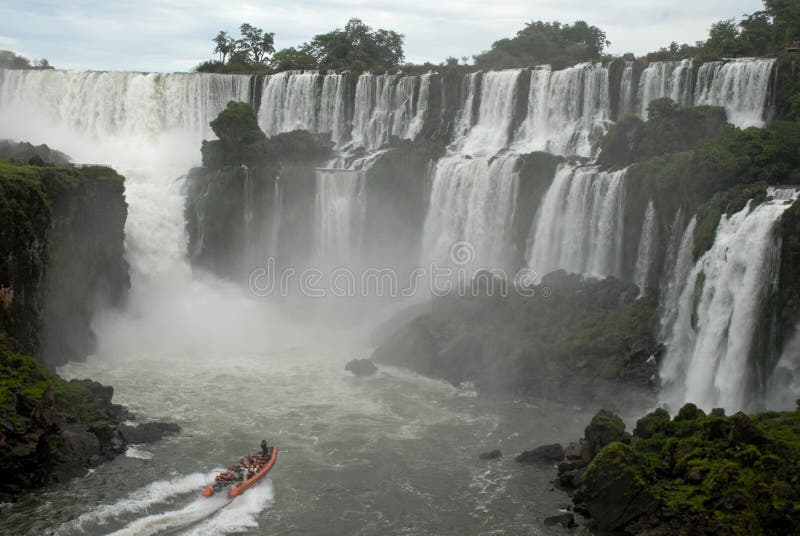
(740, 85)
(472, 200)
(490, 133)
(388, 105)
(277, 211)
(679, 257)
(627, 104)
(578, 226)
(647, 250)
(783, 385)
(661, 79)
(339, 214)
(568, 111)
(148, 127)
(708, 358)
(123, 103)
(469, 90)
(309, 101)
(420, 114)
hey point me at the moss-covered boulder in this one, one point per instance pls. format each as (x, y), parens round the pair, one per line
(605, 428)
(615, 488)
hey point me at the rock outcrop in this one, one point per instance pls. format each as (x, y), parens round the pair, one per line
(52, 430)
(61, 241)
(361, 367)
(573, 338)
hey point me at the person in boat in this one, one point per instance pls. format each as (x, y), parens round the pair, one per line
(264, 448)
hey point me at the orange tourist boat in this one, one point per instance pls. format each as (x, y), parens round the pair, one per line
(244, 475)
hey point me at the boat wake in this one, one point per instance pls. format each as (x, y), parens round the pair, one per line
(161, 508)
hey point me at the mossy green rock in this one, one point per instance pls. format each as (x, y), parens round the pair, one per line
(605, 428)
(615, 488)
(700, 474)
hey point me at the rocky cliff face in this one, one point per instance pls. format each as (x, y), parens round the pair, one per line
(61, 239)
(61, 252)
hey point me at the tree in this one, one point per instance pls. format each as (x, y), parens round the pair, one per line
(290, 59)
(356, 47)
(257, 44)
(225, 45)
(723, 40)
(9, 60)
(559, 45)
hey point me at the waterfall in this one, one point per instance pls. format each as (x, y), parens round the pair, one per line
(472, 200)
(339, 214)
(388, 105)
(148, 125)
(568, 111)
(490, 133)
(277, 210)
(295, 100)
(106, 104)
(679, 257)
(740, 85)
(647, 250)
(708, 360)
(626, 94)
(578, 226)
(469, 90)
(661, 79)
(783, 387)
(420, 115)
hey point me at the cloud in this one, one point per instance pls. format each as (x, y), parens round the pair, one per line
(166, 35)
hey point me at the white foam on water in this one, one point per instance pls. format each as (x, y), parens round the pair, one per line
(141, 500)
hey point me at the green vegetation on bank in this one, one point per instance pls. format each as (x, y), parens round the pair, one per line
(699, 474)
(10, 60)
(359, 48)
(356, 47)
(764, 33)
(539, 43)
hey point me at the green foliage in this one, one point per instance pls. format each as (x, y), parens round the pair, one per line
(727, 202)
(289, 59)
(256, 44)
(237, 125)
(248, 54)
(669, 129)
(357, 47)
(559, 45)
(718, 474)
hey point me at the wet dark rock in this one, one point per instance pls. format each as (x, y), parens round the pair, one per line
(148, 432)
(491, 455)
(361, 367)
(571, 479)
(565, 520)
(542, 454)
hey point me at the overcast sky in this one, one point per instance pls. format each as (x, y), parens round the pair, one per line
(174, 35)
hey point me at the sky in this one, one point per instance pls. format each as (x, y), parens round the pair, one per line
(175, 35)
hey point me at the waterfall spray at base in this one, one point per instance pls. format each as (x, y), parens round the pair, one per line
(709, 359)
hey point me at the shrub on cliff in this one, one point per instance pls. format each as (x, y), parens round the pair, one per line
(669, 129)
